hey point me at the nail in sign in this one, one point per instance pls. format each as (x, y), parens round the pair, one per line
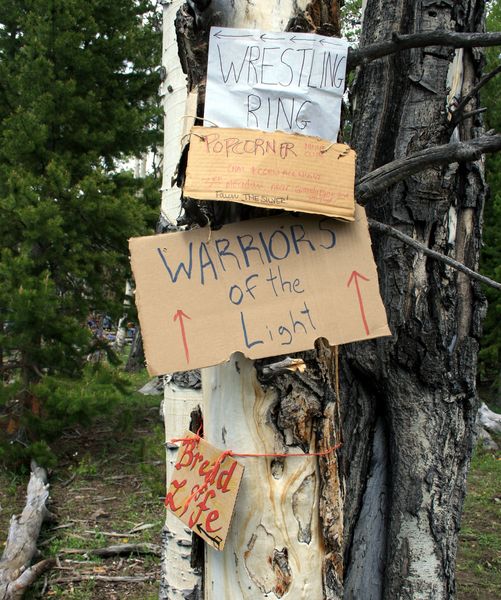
(203, 489)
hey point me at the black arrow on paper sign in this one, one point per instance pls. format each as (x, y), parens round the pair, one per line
(220, 34)
(293, 39)
(217, 540)
(270, 39)
(324, 42)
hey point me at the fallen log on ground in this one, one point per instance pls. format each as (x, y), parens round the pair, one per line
(488, 422)
(489, 419)
(116, 550)
(16, 574)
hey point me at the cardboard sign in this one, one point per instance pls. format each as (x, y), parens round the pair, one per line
(284, 81)
(272, 170)
(264, 287)
(209, 511)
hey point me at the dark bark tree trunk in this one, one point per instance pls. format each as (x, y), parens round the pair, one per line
(418, 386)
(135, 360)
(389, 504)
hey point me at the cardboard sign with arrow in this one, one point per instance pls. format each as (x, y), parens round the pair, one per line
(263, 287)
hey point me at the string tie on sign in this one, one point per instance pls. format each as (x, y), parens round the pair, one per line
(212, 474)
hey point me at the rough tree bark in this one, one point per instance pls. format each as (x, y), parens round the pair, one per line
(379, 519)
(135, 360)
(422, 380)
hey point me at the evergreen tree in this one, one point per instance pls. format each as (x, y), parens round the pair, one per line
(77, 97)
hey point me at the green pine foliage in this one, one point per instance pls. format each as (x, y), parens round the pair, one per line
(101, 390)
(351, 13)
(78, 89)
(490, 353)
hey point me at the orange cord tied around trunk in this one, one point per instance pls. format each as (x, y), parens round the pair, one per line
(212, 474)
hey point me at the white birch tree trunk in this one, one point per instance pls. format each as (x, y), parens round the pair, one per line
(120, 334)
(274, 545)
(179, 579)
(275, 541)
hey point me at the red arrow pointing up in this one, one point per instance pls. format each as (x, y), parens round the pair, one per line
(181, 315)
(355, 275)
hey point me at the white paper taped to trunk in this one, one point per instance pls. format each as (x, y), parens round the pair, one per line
(263, 287)
(287, 81)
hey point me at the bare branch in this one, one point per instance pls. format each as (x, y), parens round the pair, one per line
(436, 255)
(20, 547)
(456, 115)
(28, 577)
(108, 578)
(382, 178)
(357, 56)
(470, 114)
(10, 366)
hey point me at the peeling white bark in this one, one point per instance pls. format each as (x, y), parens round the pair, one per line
(179, 579)
(176, 108)
(266, 554)
(270, 16)
(274, 548)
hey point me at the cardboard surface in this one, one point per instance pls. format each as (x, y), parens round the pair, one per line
(263, 287)
(285, 81)
(208, 513)
(272, 170)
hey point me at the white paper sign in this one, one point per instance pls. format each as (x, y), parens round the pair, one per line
(292, 82)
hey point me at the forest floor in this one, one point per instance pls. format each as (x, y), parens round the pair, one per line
(108, 489)
(479, 555)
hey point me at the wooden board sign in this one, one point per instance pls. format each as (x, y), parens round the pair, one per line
(264, 287)
(272, 170)
(211, 489)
